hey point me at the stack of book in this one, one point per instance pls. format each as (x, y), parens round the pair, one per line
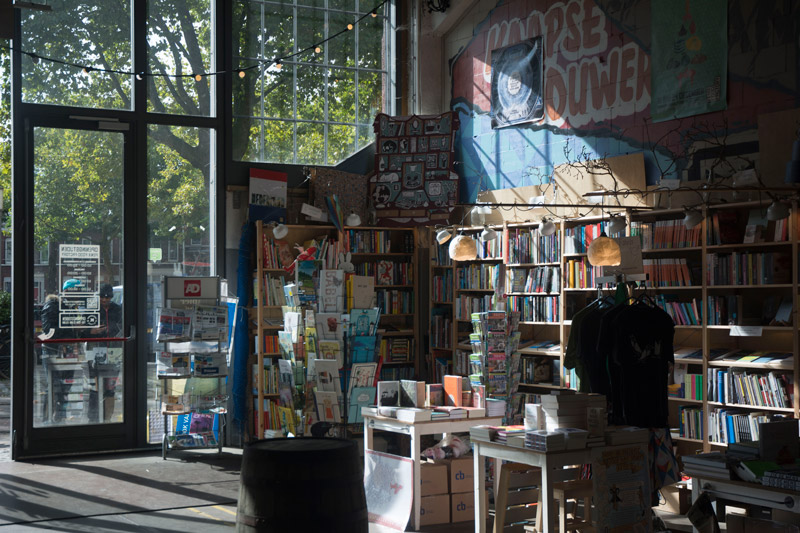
(575, 439)
(712, 464)
(783, 479)
(503, 432)
(569, 409)
(545, 441)
(483, 432)
(616, 435)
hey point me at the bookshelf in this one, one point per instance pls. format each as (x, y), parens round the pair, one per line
(741, 284)
(389, 255)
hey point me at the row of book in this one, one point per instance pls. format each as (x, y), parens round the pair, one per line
(395, 302)
(579, 238)
(379, 241)
(491, 249)
(466, 305)
(396, 349)
(727, 426)
(271, 344)
(535, 308)
(687, 386)
(271, 379)
(527, 245)
(396, 373)
(276, 417)
(771, 389)
(788, 479)
(748, 268)
(546, 370)
(665, 234)
(733, 356)
(443, 255)
(667, 272)
(691, 423)
(580, 274)
(477, 276)
(538, 279)
(682, 313)
(272, 291)
(442, 286)
(387, 272)
(278, 252)
(724, 310)
(728, 227)
(441, 331)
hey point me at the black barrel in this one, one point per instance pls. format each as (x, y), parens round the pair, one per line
(302, 484)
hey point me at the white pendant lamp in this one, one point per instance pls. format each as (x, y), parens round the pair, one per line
(463, 248)
(548, 227)
(443, 235)
(778, 210)
(488, 234)
(604, 251)
(280, 231)
(692, 218)
(353, 219)
(616, 224)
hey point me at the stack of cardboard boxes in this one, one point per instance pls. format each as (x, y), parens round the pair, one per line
(447, 493)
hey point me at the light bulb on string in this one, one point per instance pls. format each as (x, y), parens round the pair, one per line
(241, 74)
(350, 26)
(86, 70)
(374, 13)
(317, 50)
(278, 64)
(198, 77)
(139, 77)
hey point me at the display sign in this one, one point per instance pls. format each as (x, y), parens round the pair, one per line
(181, 288)
(79, 275)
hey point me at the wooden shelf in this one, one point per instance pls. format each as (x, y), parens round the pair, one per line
(684, 400)
(442, 266)
(753, 407)
(530, 265)
(474, 290)
(441, 303)
(401, 333)
(381, 254)
(762, 366)
(386, 315)
(687, 439)
(676, 249)
(758, 287)
(533, 294)
(379, 287)
(735, 246)
(763, 328)
(537, 353)
(549, 386)
(538, 323)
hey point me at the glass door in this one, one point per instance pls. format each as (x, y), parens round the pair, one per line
(80, 369)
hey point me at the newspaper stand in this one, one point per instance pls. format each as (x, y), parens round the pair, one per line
(189, 293)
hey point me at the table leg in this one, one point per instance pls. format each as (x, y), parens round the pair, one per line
(548, 524)
(367, 440)
(415, 456)
(479, 487)
(695, 494)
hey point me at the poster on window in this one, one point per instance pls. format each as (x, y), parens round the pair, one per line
(517, 83)
(267, 195)
(689, 58)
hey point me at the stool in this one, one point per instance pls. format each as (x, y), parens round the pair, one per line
(514, 496)
(564, 491)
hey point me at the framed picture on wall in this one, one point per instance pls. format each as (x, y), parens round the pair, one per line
(517, 83)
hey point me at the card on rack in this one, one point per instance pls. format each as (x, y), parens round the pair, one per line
(363, 321)
(286, 345)
(330, 326)
(290, 292)
(363, 292)
(327, 406)
(358, 398)
(328, 376)
(331, 350)
(311, 342)
(363, 349)
(496, 342)
(362, 375)
(291, 323)
(331, 291)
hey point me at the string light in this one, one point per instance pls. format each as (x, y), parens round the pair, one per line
(85, 69)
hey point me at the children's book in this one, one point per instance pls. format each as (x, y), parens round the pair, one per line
(330, 326)
(385, 273)
(331, 350)
(328, 376)
(360, 397)
(331, 291)
(388, 393)
(327, 406)
(304, 277)
(452, 390)
(362, 375)
(412, 393)
(363, 321)
(362, 349)
(363, 292)
(286, 345)
(434, 394)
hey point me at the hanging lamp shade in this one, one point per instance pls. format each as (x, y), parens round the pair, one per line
(443, 235)
(463, 248)
(488, 234)
(693, 218)
(616, 224)
(353, 219)
(280, 231)
(777, 210)
(604, 251)
(547, 228)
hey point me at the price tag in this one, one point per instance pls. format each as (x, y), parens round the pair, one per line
(746, 331)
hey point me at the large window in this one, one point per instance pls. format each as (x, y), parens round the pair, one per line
(319, 106)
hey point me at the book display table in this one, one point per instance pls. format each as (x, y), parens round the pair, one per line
(548, 462)
(746, 492)
(415, 430)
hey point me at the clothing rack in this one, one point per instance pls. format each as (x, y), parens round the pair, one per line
(618, 279)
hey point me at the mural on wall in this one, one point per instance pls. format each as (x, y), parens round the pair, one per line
(690, 60)
(597, 91)
(414, 181)
(517, 83)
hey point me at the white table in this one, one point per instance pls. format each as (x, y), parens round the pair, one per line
(746, 492)
(415, 430)
(548, 462)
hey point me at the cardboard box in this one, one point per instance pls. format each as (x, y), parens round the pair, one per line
(460, 473)
(433, 479)
(434, 509)
(746, 524)
(462, 507)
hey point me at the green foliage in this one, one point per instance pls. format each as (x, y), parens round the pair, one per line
(5, 307)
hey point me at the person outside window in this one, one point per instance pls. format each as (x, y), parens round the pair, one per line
(110, 326)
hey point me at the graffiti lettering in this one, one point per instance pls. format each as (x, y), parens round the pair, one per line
(595, 83)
